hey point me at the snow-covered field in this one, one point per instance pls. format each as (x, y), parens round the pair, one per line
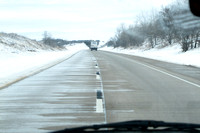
(16, 64)
(171, 54)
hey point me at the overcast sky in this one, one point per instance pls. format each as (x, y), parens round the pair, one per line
(71, 19)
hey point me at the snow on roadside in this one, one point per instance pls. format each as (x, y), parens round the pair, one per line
(16, 65)
(171, 54)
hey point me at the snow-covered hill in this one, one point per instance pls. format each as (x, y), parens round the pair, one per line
(15, 43)
(20, 57)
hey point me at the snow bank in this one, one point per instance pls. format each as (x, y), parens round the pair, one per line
(171, 54)
(18, 65)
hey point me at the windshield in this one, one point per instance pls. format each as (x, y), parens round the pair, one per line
(94, 43)
(72, 63)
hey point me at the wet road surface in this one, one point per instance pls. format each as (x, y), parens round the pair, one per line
(129, 88)
(60, 97)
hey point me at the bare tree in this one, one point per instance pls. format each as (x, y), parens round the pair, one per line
(46, 38)
(160, 25)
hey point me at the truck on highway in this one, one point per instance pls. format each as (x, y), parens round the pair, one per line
(94, 45)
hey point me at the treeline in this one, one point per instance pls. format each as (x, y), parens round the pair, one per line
(59, 43)
(171, 24)
(56, 43)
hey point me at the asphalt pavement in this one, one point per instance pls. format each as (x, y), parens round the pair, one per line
(101, 87)
(60, 97)
(138, 88)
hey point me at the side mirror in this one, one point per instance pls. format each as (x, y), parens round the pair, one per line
(195, 7)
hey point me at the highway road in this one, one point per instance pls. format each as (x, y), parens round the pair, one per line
(130, 88)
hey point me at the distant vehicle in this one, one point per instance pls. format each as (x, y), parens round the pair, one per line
(93, 45)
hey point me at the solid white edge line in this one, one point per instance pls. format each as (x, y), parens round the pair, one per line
(196, 85)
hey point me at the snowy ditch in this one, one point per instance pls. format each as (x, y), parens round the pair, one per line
(172, 54)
